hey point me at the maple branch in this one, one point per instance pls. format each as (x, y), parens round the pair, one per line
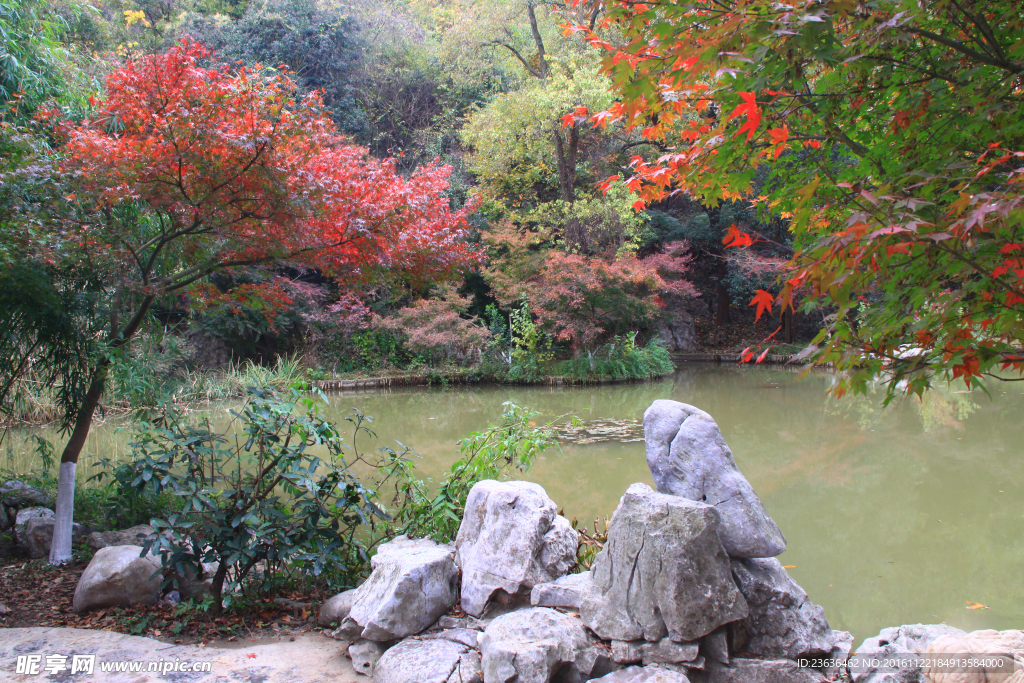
(245, 169)
(1006, 64)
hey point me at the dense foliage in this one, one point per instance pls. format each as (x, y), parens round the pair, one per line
(893, 134)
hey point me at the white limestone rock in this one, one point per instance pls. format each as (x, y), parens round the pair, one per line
(530, 645)
(413, 582)
(336, 609)
(565, 592)
(688, 457)
(662, 573)
(783, 623)
(643, 674)
(428, 661)
(365, 654)
(511, 539)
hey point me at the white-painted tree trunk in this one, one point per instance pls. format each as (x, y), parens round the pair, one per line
(60, 546)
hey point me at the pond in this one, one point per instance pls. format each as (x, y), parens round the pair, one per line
(909, 514)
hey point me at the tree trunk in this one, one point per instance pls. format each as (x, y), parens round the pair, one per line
(722, 303)
(217, 588)
(60, 545)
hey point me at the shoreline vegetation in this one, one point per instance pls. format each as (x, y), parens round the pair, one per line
(190, 389)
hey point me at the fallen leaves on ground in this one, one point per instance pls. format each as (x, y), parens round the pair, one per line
(28, 605)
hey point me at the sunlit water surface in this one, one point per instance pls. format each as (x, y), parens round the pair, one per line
(892, 516)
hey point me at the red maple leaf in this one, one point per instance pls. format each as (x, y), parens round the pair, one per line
(764, 301)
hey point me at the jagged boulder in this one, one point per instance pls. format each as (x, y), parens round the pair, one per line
(998, 654)
(530, 645)
(413, 582)
(336, 609)
(759, 671)
(118, 577)
(136, 535)
(365, 654)
(662, 572)
(565, 592)
(437, 660)
(511, 539)
(783, 623)
(643, 674)
(688, 457)
(890, 646)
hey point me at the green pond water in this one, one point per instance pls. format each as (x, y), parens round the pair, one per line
(893, 516)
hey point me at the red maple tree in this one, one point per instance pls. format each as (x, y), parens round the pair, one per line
(189, 167)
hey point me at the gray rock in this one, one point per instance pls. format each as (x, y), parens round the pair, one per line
(38, 534)
(666, 651)
(783, 623)
(716, 646)
(511, 539)
(22, 519)
(564, 592)
(5, 520)
(336, 609)
(645, 674)
(348, 630)
(136, 535)
(662, 572)
(413, 582)
(677, 331)
(889, 646)
(118, 577)
(628, 651)
(759, 671)
(466, 636)
(842, 645)
(595, 661)
(449, 622)
(909, 637)
(530, 645)
(688, 457)
(365, 654)
(17, 494)
(428, 661)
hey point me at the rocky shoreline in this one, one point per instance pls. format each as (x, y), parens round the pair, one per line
(685, 589)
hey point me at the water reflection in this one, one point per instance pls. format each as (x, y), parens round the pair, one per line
(893, 516)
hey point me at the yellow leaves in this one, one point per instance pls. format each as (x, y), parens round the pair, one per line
(976, 605)
(132, 17)
(789, 566)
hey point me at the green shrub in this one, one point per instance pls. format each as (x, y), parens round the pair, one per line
(620, 359)
(490, 454)
(262, 496)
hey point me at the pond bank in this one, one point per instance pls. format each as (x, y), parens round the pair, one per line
(456, 377)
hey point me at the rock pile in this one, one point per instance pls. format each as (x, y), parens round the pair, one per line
(685, 589)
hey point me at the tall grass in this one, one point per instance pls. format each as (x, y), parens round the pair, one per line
(621, 359)
(35, 403)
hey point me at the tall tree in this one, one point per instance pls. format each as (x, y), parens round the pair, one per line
(896, 141)
(188, 168)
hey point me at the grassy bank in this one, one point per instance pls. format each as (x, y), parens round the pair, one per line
(142, 388)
